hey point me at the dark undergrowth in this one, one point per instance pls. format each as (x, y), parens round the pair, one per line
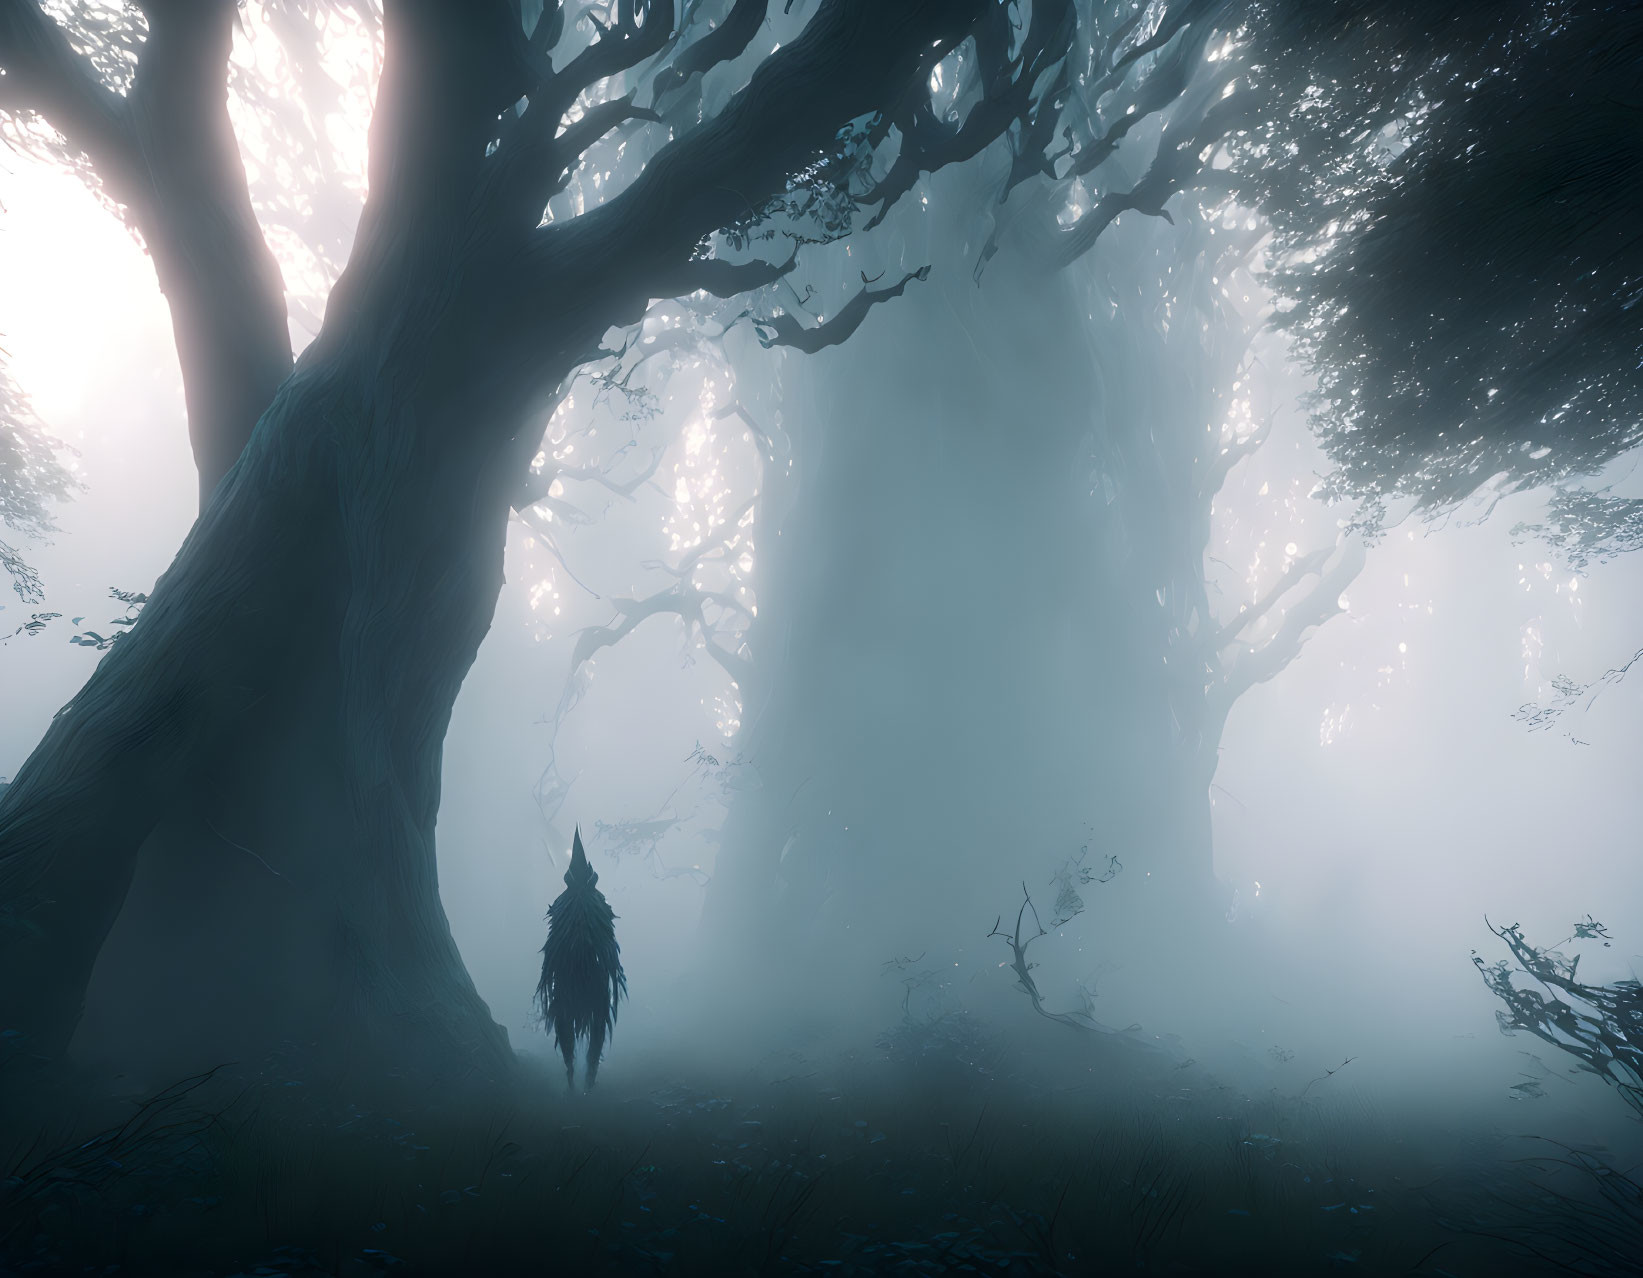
(940, 1152)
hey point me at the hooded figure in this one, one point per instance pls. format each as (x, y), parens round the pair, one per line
(582, 979)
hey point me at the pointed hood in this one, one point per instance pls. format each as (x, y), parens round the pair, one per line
(582, 978)
(581, 873)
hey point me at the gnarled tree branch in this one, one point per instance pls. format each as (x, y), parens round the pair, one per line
(785, 329)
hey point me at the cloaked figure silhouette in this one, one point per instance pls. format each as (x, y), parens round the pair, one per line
(582, 979)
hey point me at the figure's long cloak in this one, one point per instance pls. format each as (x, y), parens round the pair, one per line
(582, 978)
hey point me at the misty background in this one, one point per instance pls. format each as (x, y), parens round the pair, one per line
(1374, 802)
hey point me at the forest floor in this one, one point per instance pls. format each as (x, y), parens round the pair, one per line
(943, 1150)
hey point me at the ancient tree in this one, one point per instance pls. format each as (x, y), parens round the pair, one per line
(282, 702)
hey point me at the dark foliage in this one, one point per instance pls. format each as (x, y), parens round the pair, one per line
(1588, 527)
(952, 1048)
(1454, 190)
(162, 1130)
(1601, 1026)
(1574, 1213)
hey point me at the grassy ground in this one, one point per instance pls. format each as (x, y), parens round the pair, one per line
(941, 1151)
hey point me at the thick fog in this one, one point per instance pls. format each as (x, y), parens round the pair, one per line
(1374, 802)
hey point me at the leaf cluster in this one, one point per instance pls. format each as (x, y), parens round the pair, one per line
(1453, 189)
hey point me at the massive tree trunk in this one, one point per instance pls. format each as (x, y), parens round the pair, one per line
(282, 702)
(287, 692)
(255, 767)
(984, 638)
(960, 677)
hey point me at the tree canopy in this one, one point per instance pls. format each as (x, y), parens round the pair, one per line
(1453, 190)
(1449, 187)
